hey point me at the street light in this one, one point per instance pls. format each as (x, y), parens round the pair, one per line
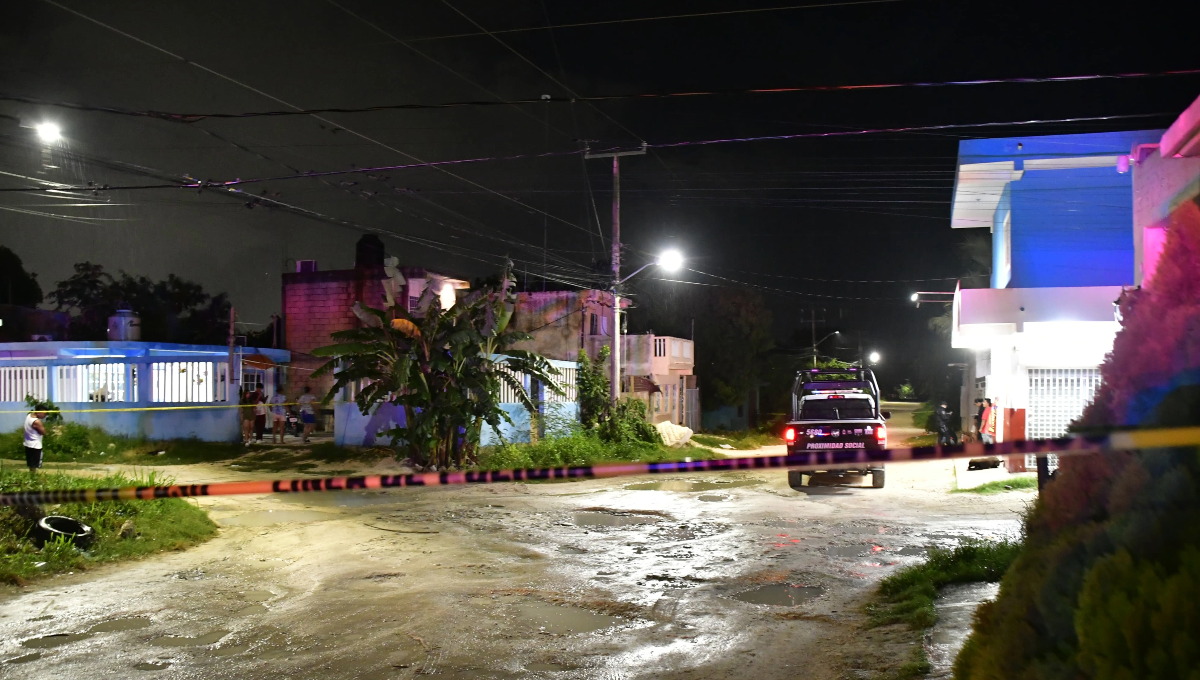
(48, 132)
(670, 260)
(914, 297)
(874, 357)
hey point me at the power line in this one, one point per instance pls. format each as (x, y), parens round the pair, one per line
(194, 117)
(201, 184)
(693, 15)
(297, 108)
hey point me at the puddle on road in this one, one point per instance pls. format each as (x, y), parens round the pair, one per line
(955, 606)
(119, 624)
(251, 610)
(257, 595)
(151, 666)
(264, 518)
(230, 650)
(55, 640)
(689, 485)
(848, 550)
(608, 519)
(173, 641)
(26, 659)
(912, 550)
(558, 620)
(571, 550)
(712, 498)
(780, 594)
(546, 667)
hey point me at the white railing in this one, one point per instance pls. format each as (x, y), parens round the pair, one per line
(508, 395)
(566, 382)
(18, 382)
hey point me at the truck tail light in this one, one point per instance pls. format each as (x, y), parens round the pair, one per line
(790, 435)
(881, 435)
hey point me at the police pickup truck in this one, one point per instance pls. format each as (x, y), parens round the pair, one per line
(836, 410)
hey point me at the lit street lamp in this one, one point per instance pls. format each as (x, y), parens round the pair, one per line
(874, 357)
(669, 260)
(48, 132)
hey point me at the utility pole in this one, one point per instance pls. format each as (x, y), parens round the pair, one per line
(229, 371)
(814, 335)
(615, 356)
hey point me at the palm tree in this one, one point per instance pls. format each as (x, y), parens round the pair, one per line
(444, 369)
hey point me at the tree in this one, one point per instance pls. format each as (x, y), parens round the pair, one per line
(171, 310)
(17, 286)
(593, 389)
(444, 370)
(732, 334)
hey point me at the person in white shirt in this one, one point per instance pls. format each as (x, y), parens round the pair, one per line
(307, 415)
(278, 416)
(34, 431)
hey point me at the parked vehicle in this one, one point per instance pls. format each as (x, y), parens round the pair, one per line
(837, 410)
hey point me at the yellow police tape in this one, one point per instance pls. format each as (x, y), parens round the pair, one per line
(816, 460)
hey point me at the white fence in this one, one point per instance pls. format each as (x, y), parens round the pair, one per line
(18, 382)
(188, 381)
(95, 382)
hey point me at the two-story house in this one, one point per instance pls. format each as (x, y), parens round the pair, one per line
(1060, 212)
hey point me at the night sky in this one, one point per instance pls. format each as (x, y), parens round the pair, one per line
(865, 207)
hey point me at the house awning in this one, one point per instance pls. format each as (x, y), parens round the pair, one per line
(643, 384)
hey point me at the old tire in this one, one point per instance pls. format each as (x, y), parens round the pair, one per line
(59, 528)
(795, 479)
(877, 479)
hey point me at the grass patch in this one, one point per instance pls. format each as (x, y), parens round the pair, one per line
(580, 448)
(907, 596)
(77, 443)
(929, 439)
(917, 666)
(1022, 483)
(124, 530)
(742, 441)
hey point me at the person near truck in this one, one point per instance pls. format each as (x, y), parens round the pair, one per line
(941, 420)
(987, 430)
(35, 429)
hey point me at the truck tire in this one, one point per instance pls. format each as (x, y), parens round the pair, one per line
(877, 479)
(57, 527)
(795, 479)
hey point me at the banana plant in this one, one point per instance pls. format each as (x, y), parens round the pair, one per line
(444, 369)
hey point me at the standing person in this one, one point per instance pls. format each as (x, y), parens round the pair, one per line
(278, 417)
(247, 412)
(307, 415)
(988, 431)
(978, 415)
(941, 419)
(260, 413)
(35, 429)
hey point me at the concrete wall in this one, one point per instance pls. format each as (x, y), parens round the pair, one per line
(354, 429)
(207, 424)
(1161, 187)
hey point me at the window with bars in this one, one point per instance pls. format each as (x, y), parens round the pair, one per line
(96, 382)
(18, 382)
(188, 381)
(1056, 397)
(660, 347)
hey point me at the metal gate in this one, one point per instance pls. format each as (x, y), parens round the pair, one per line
(1056, 397)
(692, 412)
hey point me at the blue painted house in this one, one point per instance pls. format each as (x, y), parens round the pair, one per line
(137, 388)
(1059, 210)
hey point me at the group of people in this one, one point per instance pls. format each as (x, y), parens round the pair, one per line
(255, 407)
(985, 422)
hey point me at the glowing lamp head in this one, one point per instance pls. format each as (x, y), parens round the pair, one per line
(670, 260)
(914, 297)
(873, 357)
(447, 296)
(48, 132)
